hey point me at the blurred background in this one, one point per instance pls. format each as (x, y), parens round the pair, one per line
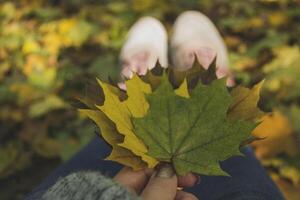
(51, 49)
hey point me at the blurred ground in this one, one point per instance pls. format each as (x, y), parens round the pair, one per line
(51, 51)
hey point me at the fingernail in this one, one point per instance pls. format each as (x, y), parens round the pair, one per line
(165, 171)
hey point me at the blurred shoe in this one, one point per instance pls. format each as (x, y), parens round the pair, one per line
(146, 43)
(194, 33)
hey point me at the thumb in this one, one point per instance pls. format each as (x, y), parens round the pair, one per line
(162, 185)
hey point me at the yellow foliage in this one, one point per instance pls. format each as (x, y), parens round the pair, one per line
(111, 135)
(291, 173)
(34, 62)
(13, 28)
(102, 38)
(283, 170)
(244, 63)
(43, 106)
(26, 92)
(52, 43)
(283, 72)
(286, 56)
(8, 9)
(277, 131)
(142, 5)
(121, 111)
(277, 19)
(4, 67)
(290, 191)
(183, 90)
(40, 70)
(244, 105)
(232, 41)
(136, 101)
(256, 22)
(30, 46)
(273, 85)
(43, 79)
(65, 25)
(63, 33)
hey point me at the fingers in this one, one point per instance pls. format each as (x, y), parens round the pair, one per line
(188, 180)
(162, 185)
(181, 195)
(134, 181)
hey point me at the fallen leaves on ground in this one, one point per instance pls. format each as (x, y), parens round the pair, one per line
(278, 136)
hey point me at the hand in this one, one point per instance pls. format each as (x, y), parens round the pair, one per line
(156, 185)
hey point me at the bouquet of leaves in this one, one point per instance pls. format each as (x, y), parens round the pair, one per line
(189, 119)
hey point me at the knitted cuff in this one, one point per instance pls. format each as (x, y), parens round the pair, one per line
(89, 186)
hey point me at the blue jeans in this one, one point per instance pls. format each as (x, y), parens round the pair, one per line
(248, 178)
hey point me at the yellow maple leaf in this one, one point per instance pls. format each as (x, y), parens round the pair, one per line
(277, 131)
(136, 101)
(112, 137)
(244, 105)
(120, 112)
(183, 90)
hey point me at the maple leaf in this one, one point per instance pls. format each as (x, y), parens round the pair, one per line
(244, 105)
(113, 137)
(183, 90)
(194, 74)
(193, 134)
(193, 126)
(120, 112)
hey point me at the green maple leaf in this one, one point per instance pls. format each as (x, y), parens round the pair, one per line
(192, 133)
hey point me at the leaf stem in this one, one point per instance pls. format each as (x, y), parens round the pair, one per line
(165, 170)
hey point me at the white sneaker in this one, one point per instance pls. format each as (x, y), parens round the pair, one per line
(146, 43)
(194, 33)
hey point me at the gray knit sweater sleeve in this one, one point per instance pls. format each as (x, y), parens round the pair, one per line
(87, 186)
